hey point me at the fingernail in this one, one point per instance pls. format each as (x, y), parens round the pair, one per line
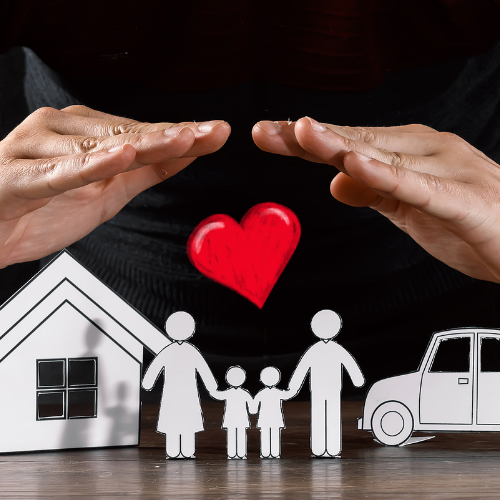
(270, 128)
(362, 157)
(316, 125)
(174, 131)
(206, 127)
(114, 149)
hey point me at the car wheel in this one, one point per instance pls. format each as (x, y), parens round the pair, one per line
(392, 423)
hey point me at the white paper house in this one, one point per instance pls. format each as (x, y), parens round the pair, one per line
(70, 362)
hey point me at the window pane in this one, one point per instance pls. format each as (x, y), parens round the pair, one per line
(453, 355)
(82, 371)
(82, 403)
(51, 373)
(50, 405)
(490, 354)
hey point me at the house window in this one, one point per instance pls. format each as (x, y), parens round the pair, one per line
(50, 405)
(66, 388)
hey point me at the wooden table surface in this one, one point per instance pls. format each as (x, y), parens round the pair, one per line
(461, 465)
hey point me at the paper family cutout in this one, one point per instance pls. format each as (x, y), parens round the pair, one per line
(248, 257)
(180, 411)
(71, 350)
(454, 389)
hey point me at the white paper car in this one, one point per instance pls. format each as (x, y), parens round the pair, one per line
(456, 388)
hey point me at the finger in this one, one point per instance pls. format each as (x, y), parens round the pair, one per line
(316, 142)
(162, 145)
(412, 139)
(279, 138)
(352, 192)
(31, 180)
(139, 180)
(50, 145)
(331, 148)
(64, 123)
(412, 128)
(445, 199)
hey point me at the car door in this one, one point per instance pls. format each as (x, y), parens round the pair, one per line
(446, 388)
(488, 379)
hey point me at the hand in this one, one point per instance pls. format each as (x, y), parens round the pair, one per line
(434, 186)
(359, 382)
(62, 173)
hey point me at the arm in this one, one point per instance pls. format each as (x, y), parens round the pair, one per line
(206, 374)
(352, 368)
(433, 185)
(300, 373)
(219, 395)
(153, 371)
(253, 404)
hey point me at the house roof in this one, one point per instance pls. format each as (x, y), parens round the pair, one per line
(64, 279)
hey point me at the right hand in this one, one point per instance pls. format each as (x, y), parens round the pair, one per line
(62, 173)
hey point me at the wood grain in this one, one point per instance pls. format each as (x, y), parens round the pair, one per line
(457, 466)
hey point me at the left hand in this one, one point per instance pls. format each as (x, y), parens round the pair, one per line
(433, 185)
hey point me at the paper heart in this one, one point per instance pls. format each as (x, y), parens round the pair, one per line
(248, 257)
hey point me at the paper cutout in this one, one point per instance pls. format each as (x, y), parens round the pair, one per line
(454, 389)
(70, 362)
(248, 257)
(323, 362)
(415, 440)
(268, 404)
(239, 403)
(180, 416)
(412, 440)
(71, 359)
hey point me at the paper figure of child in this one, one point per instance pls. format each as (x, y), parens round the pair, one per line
(239, 403)
(323, 362)
(268, 403)
(180, 416)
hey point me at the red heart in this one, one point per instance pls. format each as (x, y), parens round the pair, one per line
(248, 257)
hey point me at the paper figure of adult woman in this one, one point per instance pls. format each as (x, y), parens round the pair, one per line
(180, 416)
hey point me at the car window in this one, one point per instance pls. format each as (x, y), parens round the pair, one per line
(452, 355)
(490, 354)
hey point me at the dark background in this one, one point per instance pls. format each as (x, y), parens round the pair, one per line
(380, 353)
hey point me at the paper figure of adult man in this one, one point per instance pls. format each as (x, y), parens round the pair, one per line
(180, 416)
(323, 362)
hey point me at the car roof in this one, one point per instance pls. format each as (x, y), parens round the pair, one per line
(465, 330)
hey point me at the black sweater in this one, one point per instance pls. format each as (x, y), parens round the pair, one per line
(351, 260)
